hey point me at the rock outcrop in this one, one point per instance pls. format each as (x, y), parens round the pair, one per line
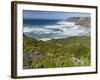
(84, 21)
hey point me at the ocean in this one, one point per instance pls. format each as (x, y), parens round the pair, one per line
(42, 29)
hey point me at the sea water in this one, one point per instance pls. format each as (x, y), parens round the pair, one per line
(44, 29)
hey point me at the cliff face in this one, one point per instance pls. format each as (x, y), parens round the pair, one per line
(84, 21)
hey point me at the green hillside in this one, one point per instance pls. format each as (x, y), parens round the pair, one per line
(66, 52)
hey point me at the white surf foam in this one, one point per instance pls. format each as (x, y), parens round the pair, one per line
(59, 30)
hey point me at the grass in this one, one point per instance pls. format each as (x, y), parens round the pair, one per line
(66, 52)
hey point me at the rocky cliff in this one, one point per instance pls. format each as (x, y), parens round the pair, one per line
(84, 21)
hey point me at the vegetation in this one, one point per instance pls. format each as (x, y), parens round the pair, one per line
(67, 52)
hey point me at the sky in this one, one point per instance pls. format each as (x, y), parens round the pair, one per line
(29, 14)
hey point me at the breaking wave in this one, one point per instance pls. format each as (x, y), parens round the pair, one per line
(61, 29)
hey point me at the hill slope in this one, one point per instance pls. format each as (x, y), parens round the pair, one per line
(66, 52)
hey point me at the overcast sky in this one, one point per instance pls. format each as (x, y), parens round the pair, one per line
(29, 14)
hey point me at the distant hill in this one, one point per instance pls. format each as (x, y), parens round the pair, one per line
(84, 21)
